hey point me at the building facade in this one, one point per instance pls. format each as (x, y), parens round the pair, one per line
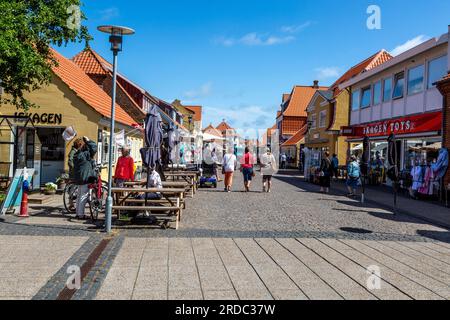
(400, 97)
(71, 99)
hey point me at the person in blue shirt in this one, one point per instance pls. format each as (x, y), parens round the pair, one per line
(354, 176)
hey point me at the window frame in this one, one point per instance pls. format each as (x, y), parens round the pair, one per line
(397, 77)
(363, 91)
(409, 93)
(324, 114)
(430, 85)
(380, 83)
(358, 92)
(313, 121)
(385, 98)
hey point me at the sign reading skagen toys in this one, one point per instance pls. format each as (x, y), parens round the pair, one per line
(427, 122)
(44, 118)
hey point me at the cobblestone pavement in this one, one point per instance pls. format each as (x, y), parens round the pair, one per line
(293, 243)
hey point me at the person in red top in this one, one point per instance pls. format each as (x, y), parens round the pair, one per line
(124, 168)
(247, 162)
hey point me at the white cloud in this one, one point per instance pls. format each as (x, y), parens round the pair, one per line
(203, 91)
(296, 28)
(246, 119)
(254, 39)
(409, 45)
(327, 73)
(109, 13)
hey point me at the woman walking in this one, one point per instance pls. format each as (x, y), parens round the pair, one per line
(229, 164)
(268, 169)
(124, 168)
(247, 162)
(325, 172)
(83, 164)
(354, 176)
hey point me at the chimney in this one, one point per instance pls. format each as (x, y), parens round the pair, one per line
(316, 84)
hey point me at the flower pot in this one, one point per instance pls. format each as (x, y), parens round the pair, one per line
(49, 192)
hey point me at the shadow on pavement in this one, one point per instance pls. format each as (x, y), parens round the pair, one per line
(389, 215)
(442, 236)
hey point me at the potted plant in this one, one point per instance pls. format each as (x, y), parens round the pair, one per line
(50, 188)
(62, 181)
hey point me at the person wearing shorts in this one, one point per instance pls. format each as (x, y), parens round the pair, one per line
(268, 169)
(247, 162)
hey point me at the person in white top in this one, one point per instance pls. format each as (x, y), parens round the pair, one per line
(229, 165)
(283, 160)
(268, 169)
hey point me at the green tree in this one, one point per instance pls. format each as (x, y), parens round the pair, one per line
(27, 30)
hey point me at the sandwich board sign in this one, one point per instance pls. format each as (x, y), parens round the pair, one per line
(14, 194)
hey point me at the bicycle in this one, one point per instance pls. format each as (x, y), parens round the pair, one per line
(98, 192)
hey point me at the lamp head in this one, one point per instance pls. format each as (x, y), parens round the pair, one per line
(116, 34)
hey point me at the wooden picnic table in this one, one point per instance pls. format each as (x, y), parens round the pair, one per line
(173, 197)
(189, 177)
(166, 184)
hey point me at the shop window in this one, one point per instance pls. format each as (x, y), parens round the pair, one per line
(322, 119)
(437, 69)
(399, 85)
(366, 97)
(387, 90)
(377, 93)
(355, 100)
(421, 152)
(415, 79)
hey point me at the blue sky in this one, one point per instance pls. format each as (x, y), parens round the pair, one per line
(237, 57)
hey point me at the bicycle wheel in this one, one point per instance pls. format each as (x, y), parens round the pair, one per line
(96, 204)
(70, 197)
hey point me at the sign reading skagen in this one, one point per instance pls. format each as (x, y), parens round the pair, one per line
(44, 118)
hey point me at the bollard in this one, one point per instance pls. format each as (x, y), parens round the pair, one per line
(24, 203)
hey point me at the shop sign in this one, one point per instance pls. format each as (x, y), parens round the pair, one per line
(44, 118)
(413, 124)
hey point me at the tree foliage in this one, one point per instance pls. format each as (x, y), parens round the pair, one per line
(27, 30)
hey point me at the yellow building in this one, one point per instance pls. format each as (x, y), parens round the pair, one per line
(326, 115)
(71, 99)
(328, 111)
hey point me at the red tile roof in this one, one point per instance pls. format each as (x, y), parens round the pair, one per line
(445, 78)
(213, 131)
(91, 62)
(223, 126)
(296, 138)
(364, 66)
(299, 100)
(197, 112)
(87, 89)
(286, 97)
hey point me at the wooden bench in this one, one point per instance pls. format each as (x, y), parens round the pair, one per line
(169, 210)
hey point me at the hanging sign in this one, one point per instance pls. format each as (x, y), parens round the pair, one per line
(120, 138)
